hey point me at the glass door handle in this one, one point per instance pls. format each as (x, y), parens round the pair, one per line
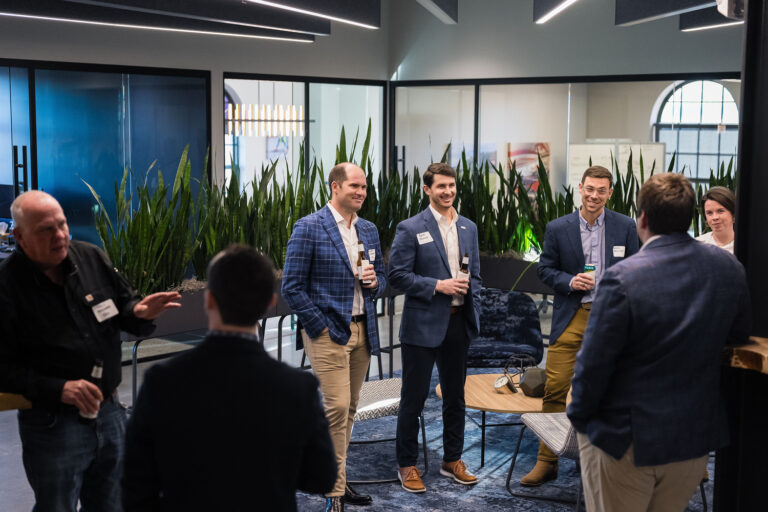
(20, 185)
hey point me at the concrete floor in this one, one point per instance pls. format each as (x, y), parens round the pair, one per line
(15, 493)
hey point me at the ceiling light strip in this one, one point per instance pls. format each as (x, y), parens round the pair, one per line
(319, 14)
(147, 27)
(554, 12)
(718, 25)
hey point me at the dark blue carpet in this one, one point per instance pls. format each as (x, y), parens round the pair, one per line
(489, 495)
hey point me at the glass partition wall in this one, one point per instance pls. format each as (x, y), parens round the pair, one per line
(276, 118)
(73, 123)
(570, 122)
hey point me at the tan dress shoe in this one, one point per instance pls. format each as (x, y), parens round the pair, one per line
(410, 479)
(458, 471)
(543, 471)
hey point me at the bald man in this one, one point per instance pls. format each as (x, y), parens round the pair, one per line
(334, 301)
(63, 306)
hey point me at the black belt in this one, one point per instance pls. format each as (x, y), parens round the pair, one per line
(455, 309)
(358, 318)
(586, 305)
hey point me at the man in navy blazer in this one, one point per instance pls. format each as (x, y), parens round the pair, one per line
(224, 426)
(440, 319)
(334, 301)
(578, 247)
(646, 400)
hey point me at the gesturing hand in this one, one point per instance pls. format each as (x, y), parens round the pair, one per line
(156, 304)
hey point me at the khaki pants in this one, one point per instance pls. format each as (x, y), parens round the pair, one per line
(341, 371)
(612, 485)
(561, 358)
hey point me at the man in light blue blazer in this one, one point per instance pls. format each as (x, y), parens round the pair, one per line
(440, 319)
(578, 247)
(646, 400)
(334, 302)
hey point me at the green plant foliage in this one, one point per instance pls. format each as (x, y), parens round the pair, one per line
(545, 207)
(500, 228)
(152, 244)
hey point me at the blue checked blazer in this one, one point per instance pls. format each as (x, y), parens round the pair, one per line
(318, 282)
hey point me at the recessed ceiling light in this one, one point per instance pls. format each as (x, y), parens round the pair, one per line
(147, 27)
(317, 14)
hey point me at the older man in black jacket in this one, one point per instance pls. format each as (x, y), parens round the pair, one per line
(63, 306)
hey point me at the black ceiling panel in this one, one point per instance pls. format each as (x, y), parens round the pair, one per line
(629, 12)
(62, 10)
(223, 11)
(704, 18)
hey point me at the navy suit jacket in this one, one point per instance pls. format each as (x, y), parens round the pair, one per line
(318, 281)
(415, 268)
(226, 427)
(648, 372)
(563, 257)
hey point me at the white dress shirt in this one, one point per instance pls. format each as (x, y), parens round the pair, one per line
(450, 236)
(349, 237)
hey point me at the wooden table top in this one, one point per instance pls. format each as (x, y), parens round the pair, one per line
(479, 394)
(752, 356)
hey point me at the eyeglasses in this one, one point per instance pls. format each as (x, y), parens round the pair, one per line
(600, 191)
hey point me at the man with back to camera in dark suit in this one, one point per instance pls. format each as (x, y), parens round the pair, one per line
(578, 247)
(440, 319)
(646, 401)
(335, 307)
(63, 306)
(224, 426)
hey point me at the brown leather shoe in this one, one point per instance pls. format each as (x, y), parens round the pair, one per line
(543, 471)
(410, 479)
(458, 471)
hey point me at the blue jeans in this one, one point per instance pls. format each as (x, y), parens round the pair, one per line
(66, 460)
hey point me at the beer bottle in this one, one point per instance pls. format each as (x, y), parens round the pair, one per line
(464, 268)
(98, 368)
(362, 263)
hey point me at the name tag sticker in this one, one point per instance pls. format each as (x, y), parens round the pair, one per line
(618, 251)
(371, 255)
(424, 238)
(105, 310)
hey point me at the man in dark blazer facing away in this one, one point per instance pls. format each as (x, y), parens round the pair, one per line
(578, 248)
(334, 302)
(224, 426)
(440, 319)
(646, 400)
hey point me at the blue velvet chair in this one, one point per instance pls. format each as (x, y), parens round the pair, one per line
(509, 324)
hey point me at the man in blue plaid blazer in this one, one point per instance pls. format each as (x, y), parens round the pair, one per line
(335, 306)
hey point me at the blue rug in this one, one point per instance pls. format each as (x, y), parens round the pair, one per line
(489, 495)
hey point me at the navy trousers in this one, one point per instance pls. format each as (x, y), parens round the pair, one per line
(451, 360)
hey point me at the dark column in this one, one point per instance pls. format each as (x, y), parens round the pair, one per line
(741, 473)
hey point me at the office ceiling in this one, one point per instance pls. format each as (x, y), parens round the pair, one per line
(304, 20)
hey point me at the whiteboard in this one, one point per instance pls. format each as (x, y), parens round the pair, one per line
(651, 152)
(578, 160)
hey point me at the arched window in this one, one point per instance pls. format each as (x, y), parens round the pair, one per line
(699, 121)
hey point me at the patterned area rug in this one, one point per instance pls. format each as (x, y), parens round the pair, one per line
(489, 495)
